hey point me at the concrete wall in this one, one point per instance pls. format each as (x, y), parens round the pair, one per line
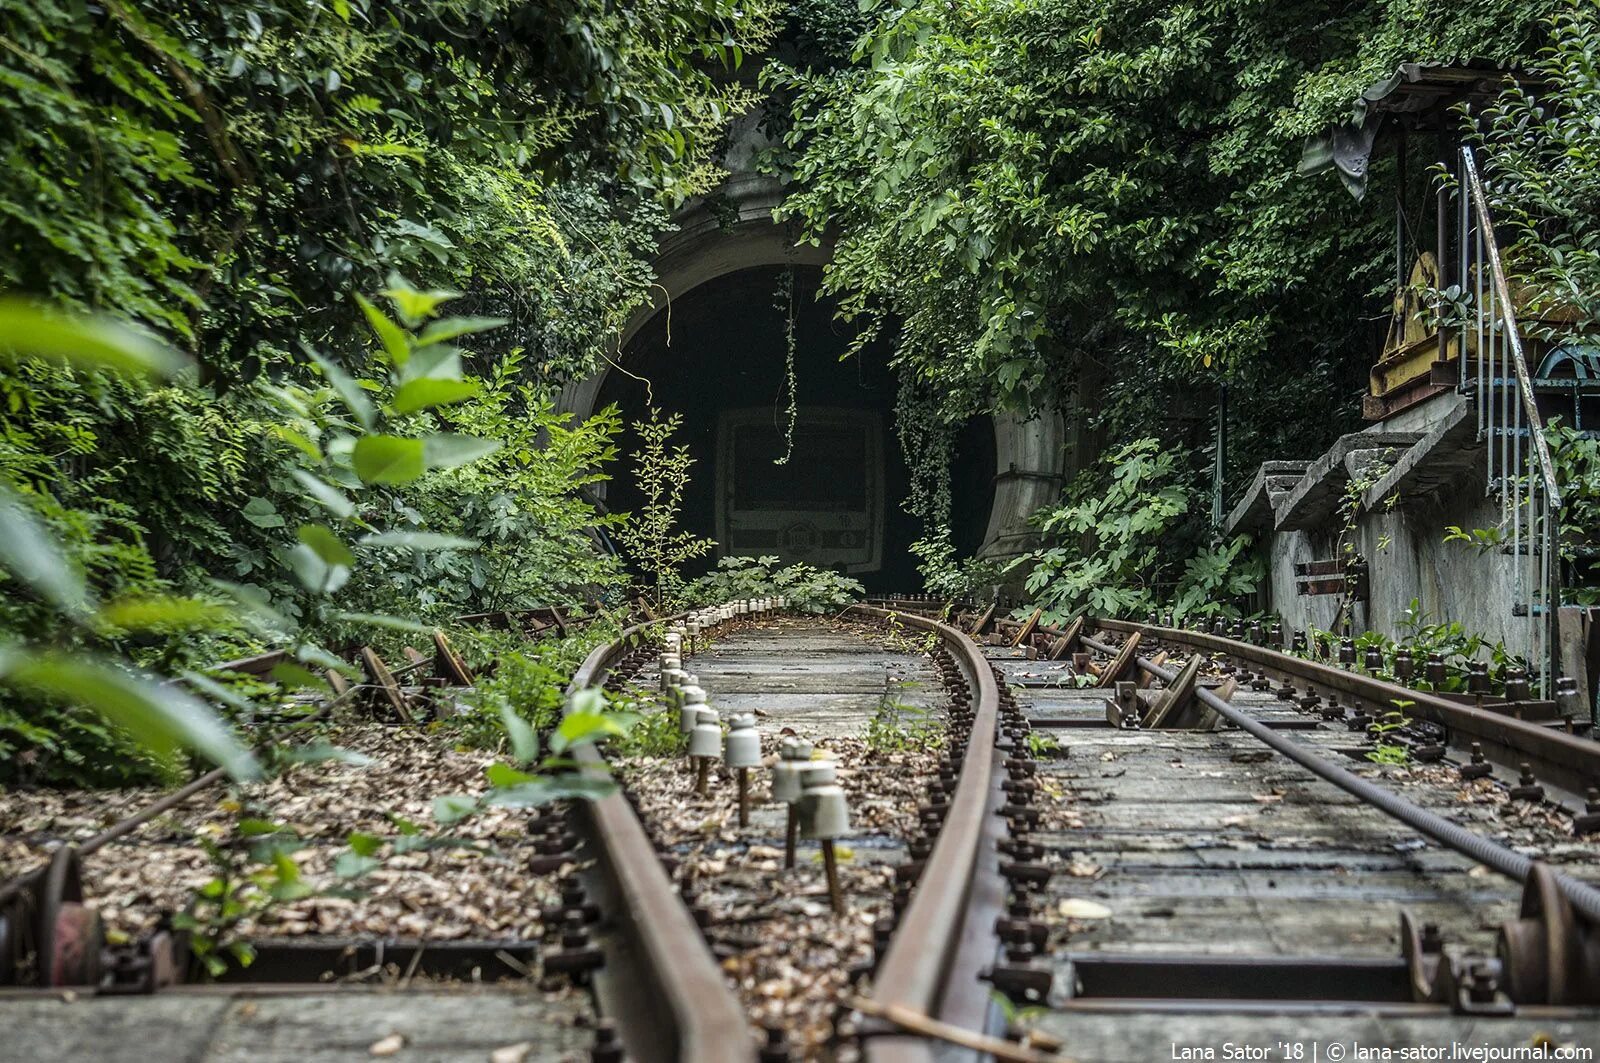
(1408, 558)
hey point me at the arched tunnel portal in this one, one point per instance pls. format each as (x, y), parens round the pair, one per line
(712, 348)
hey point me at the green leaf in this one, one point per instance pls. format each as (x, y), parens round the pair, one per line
(29, 552)
(256, 828)
(365, 844)
(288, 886)
(447, 451)
(451, 327)
(217, 691)
(502, 775)
(573, 785)
(292, 676)
(415, 306)
(30, 328)
(161, 717)
(355, 400)
(395, 623)
(452, 808)
(430, 391)
(524, 740)
(326, 544)
(325, 494)
(163, 612)
(577, 728)
(320, 751)
(262, 513)
(383, 459)
(418, 541)
(254, 603)
(314, 573)
(299, 440)
(392, 336)
(354, 865)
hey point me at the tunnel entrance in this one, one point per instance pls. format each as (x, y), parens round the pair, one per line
(718, 358)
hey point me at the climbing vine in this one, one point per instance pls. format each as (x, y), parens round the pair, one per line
(783, 302)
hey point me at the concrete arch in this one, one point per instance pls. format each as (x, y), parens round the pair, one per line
(734, 231)
(714, 237)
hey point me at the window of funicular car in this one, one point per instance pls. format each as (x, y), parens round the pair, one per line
(827, 472)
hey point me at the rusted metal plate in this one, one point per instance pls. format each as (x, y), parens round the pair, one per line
(1027, 628)
(1121, 662)
(448, 663)
(388, 689)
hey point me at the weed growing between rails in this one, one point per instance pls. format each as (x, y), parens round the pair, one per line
(806, 587)
(1384, 751)
(651, 536)
(899, 726)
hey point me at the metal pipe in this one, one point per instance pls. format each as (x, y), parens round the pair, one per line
(1584, 898)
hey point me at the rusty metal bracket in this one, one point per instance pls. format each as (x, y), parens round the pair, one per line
(448, 663)
(1067, 642)
(1027, 628)
(1123, 708)
(1173, 711)
(388, 687)
(1122, 662)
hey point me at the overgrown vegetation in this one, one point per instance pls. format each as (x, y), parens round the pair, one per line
(898, 726)
(1116, 546)
(808, 588)
(228, 177)
(653, 537)
(1094, 206)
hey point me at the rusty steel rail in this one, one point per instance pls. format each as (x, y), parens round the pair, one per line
(686, 1010)
(1563, 759)
(1584, 898)
(946, 935)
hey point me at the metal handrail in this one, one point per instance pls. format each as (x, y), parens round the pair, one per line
(1535, 508)
(1509, 324)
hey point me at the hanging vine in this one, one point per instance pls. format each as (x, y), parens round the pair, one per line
(783, 301)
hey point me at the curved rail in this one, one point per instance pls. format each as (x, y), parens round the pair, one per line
(933, 961)
(686, 1010)
(1486, 851)
(1562, 758)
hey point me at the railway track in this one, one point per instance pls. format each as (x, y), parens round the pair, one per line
(1114, 841)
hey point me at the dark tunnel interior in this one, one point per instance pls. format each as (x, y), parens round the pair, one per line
(718, 359)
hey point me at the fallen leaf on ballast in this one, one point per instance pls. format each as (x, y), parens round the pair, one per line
(1083, 869)
(1078, 908)
(1108, 756)
(388, 1046)
(511, 1053)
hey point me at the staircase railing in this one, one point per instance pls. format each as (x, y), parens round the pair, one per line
(1520, 472)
